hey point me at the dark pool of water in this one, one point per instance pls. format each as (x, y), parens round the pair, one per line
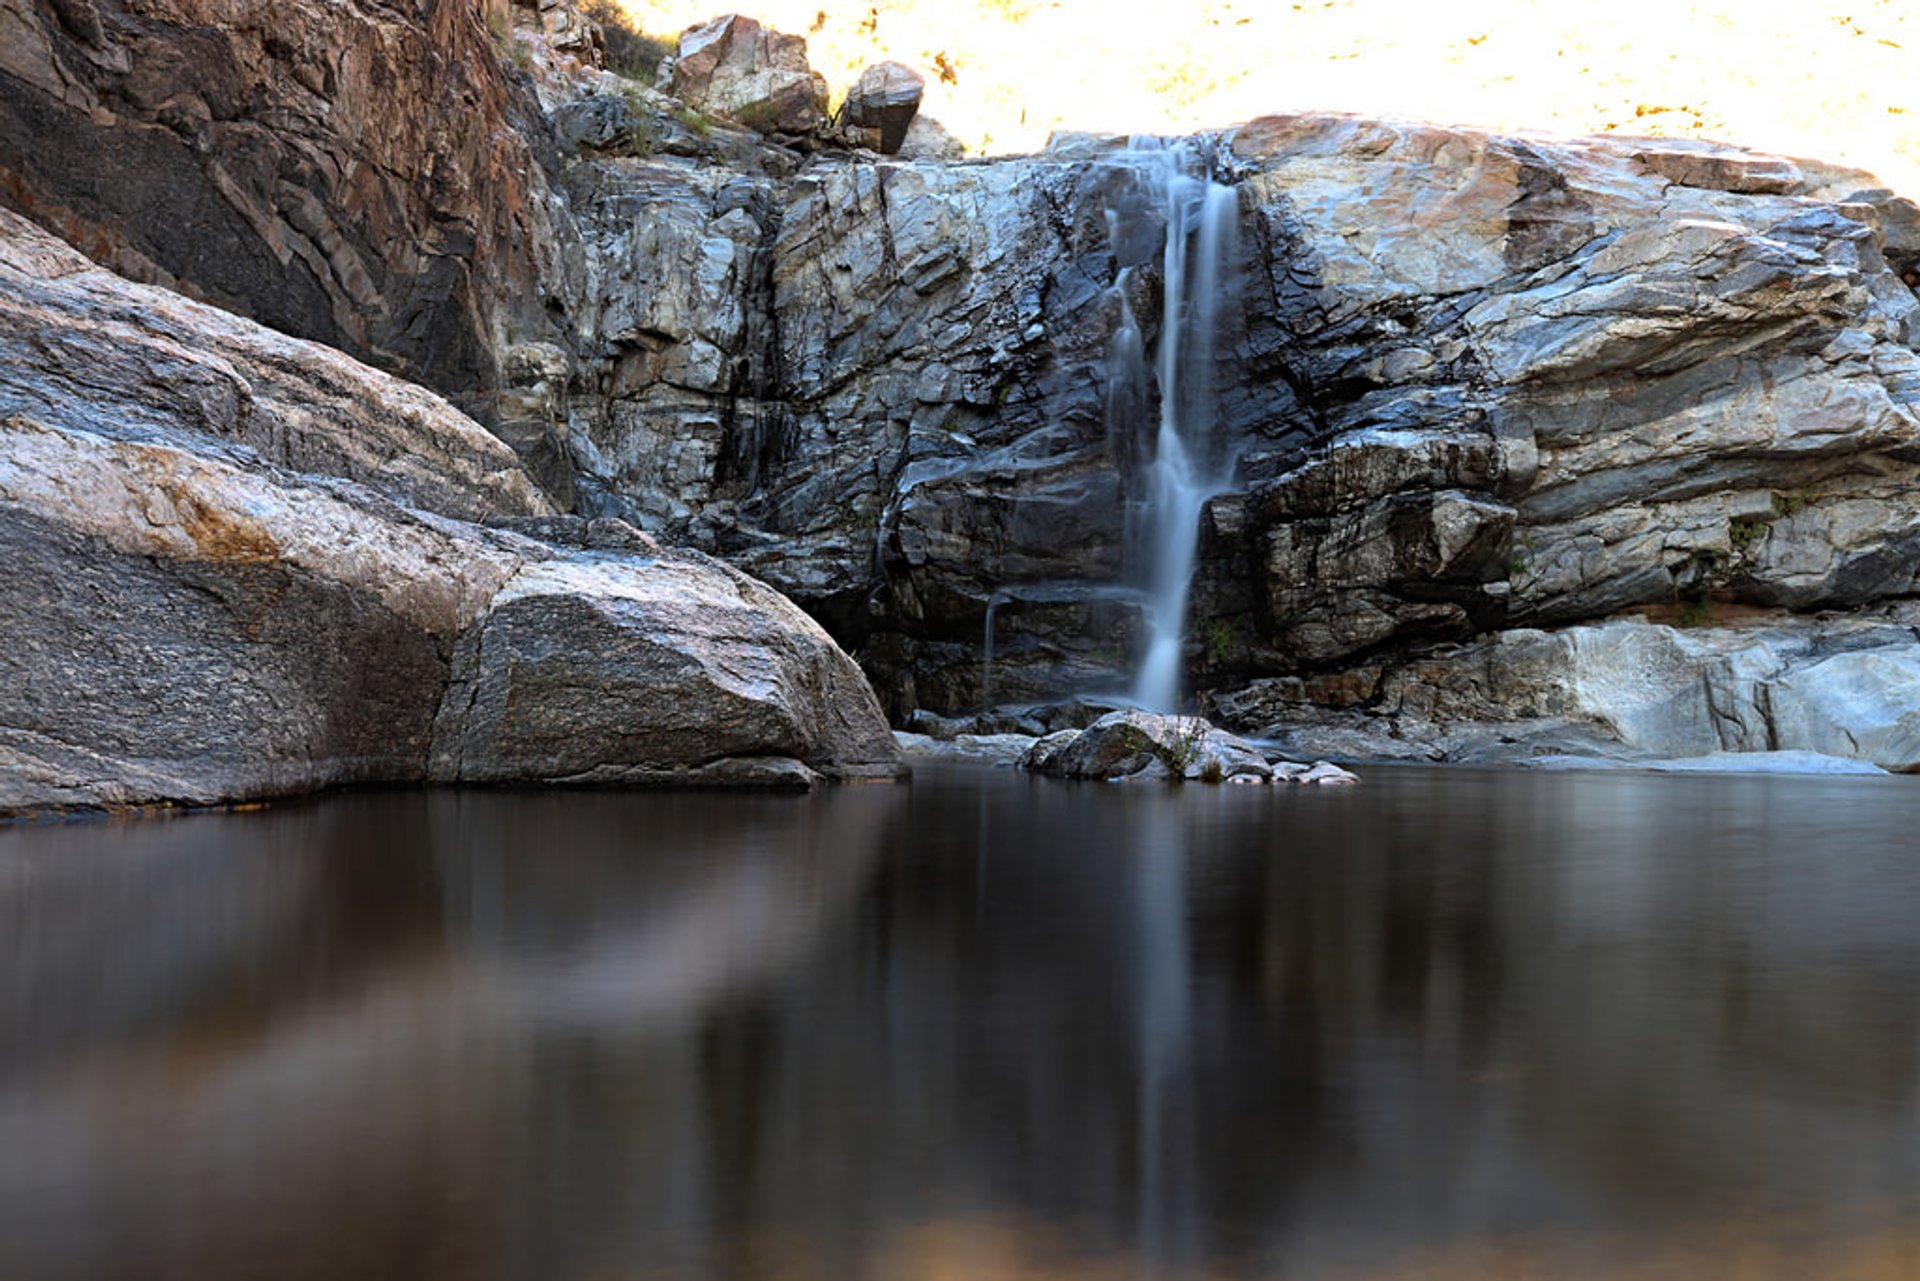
(1448, 1024)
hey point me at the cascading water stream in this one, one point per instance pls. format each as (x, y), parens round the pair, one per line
(1189, 465)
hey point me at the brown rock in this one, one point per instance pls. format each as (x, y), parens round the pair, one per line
(357, 174)
(759, 77)
(885, 98)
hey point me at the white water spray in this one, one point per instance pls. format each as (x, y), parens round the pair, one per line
(1188, 466)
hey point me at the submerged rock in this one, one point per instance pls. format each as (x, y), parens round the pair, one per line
(246, 566)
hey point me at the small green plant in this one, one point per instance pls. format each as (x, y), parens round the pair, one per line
(1521, 561)
(1744, 531)
(1697, 612)
(757, 116)
(644, 137)
(1222, 640)
(1787, 504)
(1185, 749)
(500, 25)
(522, 53)
(698, 121)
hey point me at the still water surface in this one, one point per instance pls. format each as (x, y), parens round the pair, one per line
(1446, 1025)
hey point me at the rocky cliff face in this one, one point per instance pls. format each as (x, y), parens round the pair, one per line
(1480, 382)
(366, 175)
(1473, 382)
(246, 565)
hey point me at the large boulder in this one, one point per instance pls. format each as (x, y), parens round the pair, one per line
(884, 100)
(248, 566)
(760, 77)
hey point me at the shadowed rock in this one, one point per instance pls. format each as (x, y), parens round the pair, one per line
(885, 99)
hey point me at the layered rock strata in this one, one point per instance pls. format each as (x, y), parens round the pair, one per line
(366, 175)
(246, 565)
(1478, 383)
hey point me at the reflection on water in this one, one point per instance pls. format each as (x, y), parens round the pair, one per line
(1447, 1025)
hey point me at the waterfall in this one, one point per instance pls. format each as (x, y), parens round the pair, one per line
(1188, 465)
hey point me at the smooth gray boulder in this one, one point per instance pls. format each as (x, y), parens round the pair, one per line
(248, 566)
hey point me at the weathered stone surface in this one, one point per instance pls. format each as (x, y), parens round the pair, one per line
(674, 668)
(885, 100)
(247, 566)
(753, 74)
(1130, 743)
(1482, 381)
(365, 175)
(1843, 686)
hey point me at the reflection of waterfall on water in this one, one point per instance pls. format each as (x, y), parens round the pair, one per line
(1163, 1031)
(1187, 466)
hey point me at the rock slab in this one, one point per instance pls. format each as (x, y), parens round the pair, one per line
(248, 566)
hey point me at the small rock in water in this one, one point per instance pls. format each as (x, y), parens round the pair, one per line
(1134, 744)
(1325, 774)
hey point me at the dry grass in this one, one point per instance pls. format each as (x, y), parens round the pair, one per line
(1839, 79)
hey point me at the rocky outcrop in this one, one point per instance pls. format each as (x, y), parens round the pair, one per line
(247, 566)
(1557, 380)
(1478, 382)
(1141, 745)
(1134, 746)
(734, 67)
(1483, 381)
(1840, 685)
(365, 175)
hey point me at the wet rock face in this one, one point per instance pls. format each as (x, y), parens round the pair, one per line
(882, 389)
(366, 176)
(250, 566)
(1481, 382)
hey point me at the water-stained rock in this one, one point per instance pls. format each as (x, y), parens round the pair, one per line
(368, 176)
